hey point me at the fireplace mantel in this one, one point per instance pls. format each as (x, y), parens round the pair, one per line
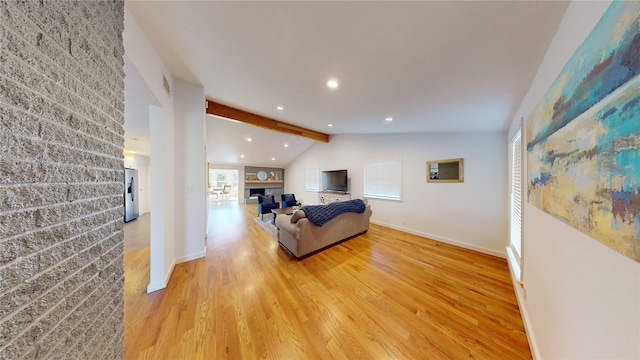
(272, 183)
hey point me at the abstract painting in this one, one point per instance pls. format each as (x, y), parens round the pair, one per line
(583, 150)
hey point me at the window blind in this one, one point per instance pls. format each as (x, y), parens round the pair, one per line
(313, 180)
(383, 180)
(516, 197)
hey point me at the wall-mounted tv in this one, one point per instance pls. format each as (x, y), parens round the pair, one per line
(335, 180)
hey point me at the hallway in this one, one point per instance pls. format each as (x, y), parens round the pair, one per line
(136, 233)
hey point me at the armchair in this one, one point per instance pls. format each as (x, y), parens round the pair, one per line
(288, 200)
(266, 203)
(226, 190)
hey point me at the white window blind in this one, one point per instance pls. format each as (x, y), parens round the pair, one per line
(313, 180)
(515, 241)
(383, 180)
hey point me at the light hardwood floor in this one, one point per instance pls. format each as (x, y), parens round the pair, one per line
(382, 295)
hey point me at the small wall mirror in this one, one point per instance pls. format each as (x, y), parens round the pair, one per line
(445, 170)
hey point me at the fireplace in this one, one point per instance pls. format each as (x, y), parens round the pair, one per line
(255, 192)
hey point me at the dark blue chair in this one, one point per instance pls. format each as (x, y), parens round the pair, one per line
(266, 203)
(288, 200)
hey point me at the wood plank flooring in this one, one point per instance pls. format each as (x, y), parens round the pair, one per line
(382, 295)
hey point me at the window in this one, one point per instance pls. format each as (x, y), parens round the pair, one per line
(515, 238)
(382, 180)
(218, 178)
(313, 180)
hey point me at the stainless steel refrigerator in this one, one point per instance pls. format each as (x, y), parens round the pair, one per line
(130, 194)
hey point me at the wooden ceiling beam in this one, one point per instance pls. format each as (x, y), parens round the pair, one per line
(217, 109)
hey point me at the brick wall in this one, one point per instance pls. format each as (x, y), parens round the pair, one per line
(61, 171)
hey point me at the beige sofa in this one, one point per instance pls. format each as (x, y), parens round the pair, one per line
(301, 237)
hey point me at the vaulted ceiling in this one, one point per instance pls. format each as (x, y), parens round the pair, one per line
(433, 66)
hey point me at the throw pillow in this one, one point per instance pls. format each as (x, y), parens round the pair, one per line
(266, 200)
(297, 215)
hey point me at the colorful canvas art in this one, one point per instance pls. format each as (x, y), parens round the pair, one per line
(583, 150)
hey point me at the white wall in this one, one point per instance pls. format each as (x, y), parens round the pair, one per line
(472, 214)
(162, 139)
(178, 164)
(190, 171)
(162, 225)
(582, 298)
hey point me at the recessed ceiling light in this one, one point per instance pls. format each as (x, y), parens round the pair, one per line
(273, 158)
(330, 125)
(286, 145)
(249, 139)
(332, 83)
(279, 108)
(241, 156)
(388, 118)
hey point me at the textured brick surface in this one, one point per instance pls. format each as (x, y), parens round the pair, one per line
(61, 170)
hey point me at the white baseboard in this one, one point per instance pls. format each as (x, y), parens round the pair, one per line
(159, 285)
(519, 289)
(445, 240)
(198, 255)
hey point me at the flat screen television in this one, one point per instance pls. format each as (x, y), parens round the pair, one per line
(335, 180)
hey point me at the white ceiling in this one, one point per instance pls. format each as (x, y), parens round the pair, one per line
(435, 66)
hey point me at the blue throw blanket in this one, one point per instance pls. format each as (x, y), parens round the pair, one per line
(321, 214)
